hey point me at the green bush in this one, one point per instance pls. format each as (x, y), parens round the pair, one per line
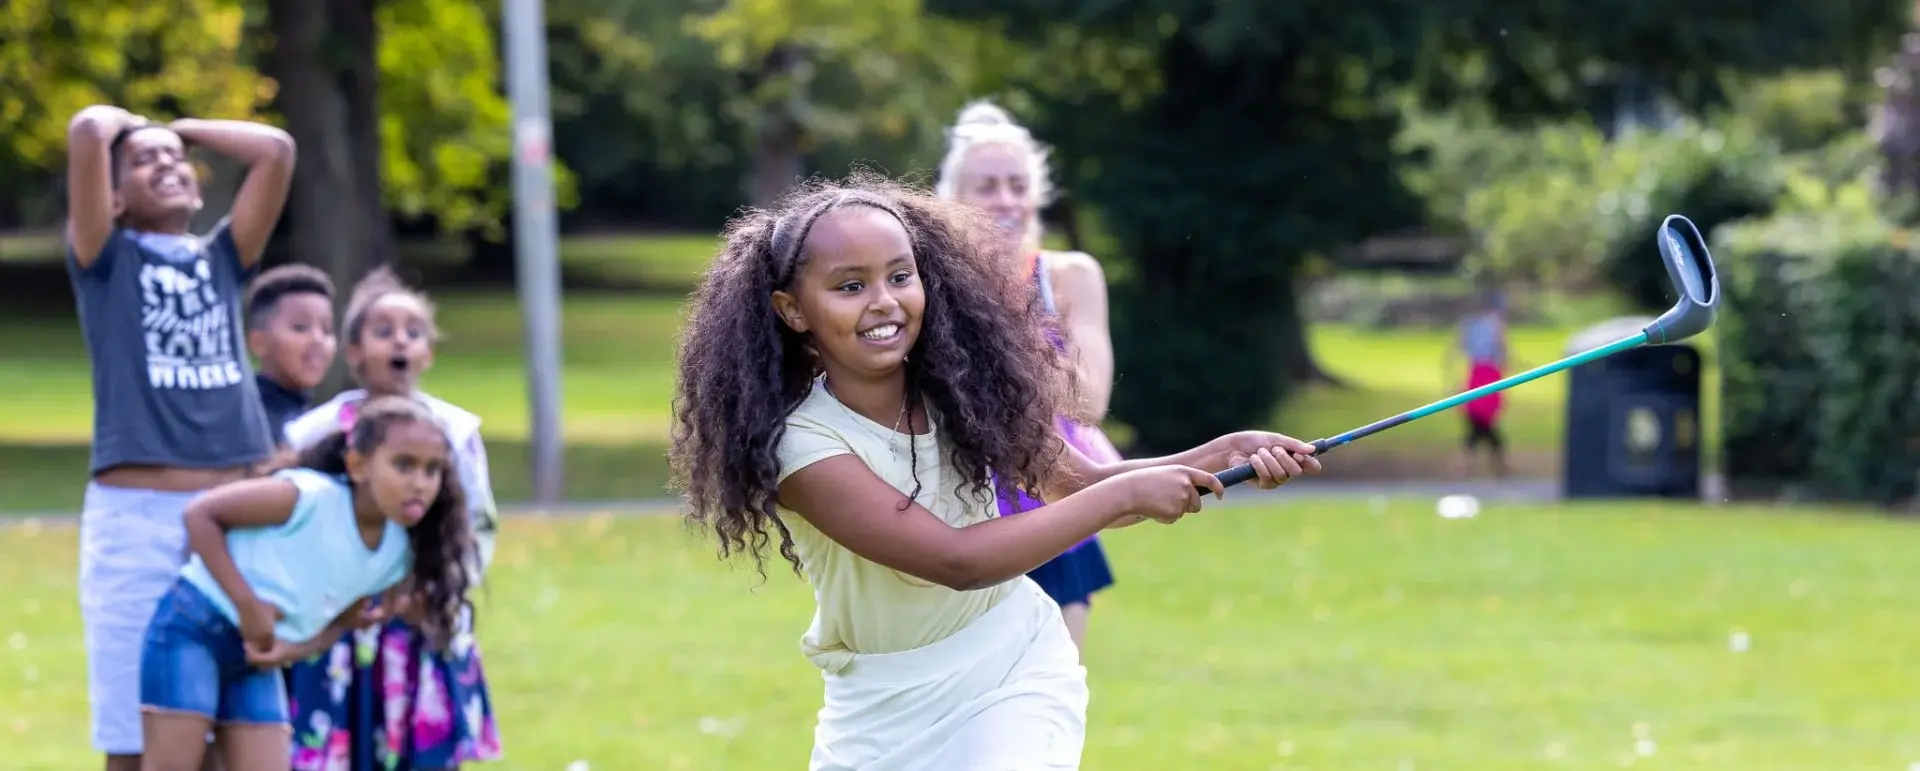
(1869, 333)
(1820, 342)
(1560, 203)
(1538, 221)
(1802, 111)
(1769, 373)
(1525, 195)
(1710, 175)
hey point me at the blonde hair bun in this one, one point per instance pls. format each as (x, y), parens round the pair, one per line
(984, 113)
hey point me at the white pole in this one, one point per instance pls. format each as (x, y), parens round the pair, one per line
(536, 251)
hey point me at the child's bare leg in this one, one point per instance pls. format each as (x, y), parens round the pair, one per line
(1076, 615)
(254, 732)
(265, 746)
(175, 741)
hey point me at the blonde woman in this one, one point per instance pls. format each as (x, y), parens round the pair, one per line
(995, 164)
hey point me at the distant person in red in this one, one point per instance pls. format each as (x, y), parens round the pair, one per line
(1482, 340)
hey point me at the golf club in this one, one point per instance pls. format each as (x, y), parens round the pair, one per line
(1688, 265)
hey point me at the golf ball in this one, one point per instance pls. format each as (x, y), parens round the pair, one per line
(1459, 507)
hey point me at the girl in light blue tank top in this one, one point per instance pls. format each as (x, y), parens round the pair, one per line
(283, 566)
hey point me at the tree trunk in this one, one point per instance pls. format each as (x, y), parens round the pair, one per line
(328, 219)
(1298, 364)
(777, 162)
(357, 43)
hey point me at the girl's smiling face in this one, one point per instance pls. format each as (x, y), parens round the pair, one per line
(857, 293)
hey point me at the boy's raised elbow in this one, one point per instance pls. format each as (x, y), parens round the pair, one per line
(88, 124)
(283, 148)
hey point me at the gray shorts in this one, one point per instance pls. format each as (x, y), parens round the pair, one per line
(132, 546)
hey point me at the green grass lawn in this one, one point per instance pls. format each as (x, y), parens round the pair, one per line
(24, 246)
(1317, 635)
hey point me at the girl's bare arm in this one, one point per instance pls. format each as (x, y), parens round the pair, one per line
(847, 502)
(252, 503)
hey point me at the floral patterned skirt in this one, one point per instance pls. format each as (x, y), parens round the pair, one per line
(380, 699)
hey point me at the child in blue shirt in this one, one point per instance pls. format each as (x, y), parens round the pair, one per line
(283, 566)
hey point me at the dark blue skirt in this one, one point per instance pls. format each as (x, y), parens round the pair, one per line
(1074, 576)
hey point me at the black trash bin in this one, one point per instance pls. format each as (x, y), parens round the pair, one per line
(1633, 420)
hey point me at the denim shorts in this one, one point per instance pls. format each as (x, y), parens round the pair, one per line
(194, 662)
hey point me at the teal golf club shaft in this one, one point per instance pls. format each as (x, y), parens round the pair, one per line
(1244, 472)
(1684, 253)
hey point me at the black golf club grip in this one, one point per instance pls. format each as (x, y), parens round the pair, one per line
(1244, 472)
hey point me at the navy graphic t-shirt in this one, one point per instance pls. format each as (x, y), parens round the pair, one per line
(172, 385)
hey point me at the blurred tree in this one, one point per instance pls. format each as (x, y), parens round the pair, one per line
(399, 100)
(324, 61)
(1271, 139)
(658, 110)
(640, 111)
(1896, 125)
(160, 59)
(397, 107)
(811, 72)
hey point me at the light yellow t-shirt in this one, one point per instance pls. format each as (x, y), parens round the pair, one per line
(865, 607)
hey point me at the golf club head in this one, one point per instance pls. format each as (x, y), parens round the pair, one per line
(1690, 267)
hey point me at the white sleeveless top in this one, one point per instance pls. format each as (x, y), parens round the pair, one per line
(864, 607)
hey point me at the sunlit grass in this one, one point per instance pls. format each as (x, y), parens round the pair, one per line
(1314, 635)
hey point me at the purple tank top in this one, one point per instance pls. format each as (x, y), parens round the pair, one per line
(1089, 440)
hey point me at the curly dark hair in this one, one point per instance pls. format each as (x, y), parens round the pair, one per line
(442, 542)
(981, 363)
(264, 294)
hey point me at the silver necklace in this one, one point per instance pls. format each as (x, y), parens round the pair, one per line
(892, 440)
